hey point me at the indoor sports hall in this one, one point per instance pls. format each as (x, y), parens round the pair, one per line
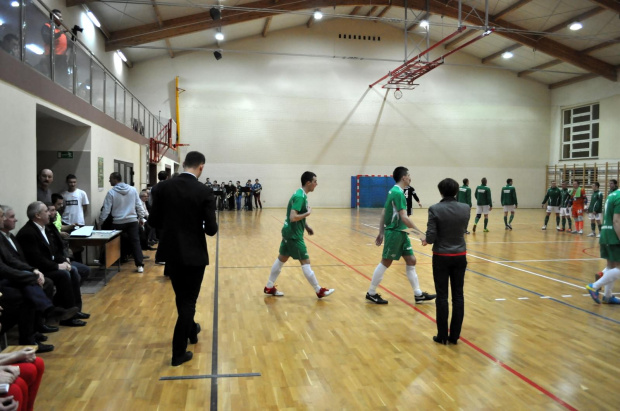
(269, 89)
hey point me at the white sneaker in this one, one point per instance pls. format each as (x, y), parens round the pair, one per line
(591, 235)
(544, 227)
(140, 269)
(598, 236)
(580, 231)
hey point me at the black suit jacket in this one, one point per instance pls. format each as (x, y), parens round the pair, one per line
(39, 253)
(184, 209)
(12, 269)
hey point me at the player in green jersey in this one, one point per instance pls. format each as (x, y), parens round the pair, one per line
(509, 202)
(484, 204)
(553, 198)
(393, 226)
(565, 207)
(610, 248)
(595, 208)
(293, 244)
(464, 195)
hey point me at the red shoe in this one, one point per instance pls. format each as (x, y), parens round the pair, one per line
(324, 292)
(273, 291)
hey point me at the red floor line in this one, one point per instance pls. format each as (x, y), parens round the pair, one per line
(472, 345)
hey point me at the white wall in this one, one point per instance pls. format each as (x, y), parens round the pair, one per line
(272, 117)
(597, 90)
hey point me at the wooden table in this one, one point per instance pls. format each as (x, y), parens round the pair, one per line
(110, 239)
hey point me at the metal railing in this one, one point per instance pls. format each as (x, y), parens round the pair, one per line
(30, 35)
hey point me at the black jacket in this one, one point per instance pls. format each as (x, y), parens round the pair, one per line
(13, 269)
(38, 252)
(447, 222)
(184, 209)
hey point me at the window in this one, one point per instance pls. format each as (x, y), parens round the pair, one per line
(580, 129)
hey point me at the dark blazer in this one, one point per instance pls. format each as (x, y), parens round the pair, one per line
(14, 270)
(447, 222)
(184, 209)
(38, 252)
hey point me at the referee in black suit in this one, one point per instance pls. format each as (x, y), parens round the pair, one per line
(184, 209)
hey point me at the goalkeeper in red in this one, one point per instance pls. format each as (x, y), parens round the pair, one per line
(393, 226)
(293, 244)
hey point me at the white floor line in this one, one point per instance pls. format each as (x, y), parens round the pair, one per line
(526, 271)
(518, 242)
(552, 260)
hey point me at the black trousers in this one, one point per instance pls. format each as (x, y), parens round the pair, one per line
(68, 292)
(449, 270)
(186, 282)
(17, 310)
(131, 229)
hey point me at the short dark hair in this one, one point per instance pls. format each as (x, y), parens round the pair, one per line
(70, 176)
(194, 159)
(576, 181)
(116, 176)
(162, 175)
(597, 184)
(613, 180)
(509, 181)
(56, 197)
(465, 181)
(448, 187)
(55, 12)
(484, 181)
(399, 173)
(306, 177)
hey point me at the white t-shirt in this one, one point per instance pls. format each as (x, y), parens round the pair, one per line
(74, 213)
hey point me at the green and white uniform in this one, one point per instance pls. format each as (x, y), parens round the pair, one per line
(553, 198)
(293, 244)
(509, 198)
(609, 241)
(483, 199)
(396, 243)
(596, 205)
(565, 203)
(464, 195)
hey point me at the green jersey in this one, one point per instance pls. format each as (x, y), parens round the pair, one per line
(464, 195)
(553, 197)
(483, 196)
(393, 204)
(565, 199)
(612, 206)
(596, 202)
(509, 195)
(298, 202)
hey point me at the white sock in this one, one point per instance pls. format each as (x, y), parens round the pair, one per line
(377, 276)
(610, 275)
(311, 277)
(275, 272)
(413, 280)
(609, 288)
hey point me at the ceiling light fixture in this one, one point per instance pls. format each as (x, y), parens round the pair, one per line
(424, 24)
(507, 55)
(121, 55)
(92, 18)
(574, 26)
(219, 36)
(217, 55)
(14, 4)
(35, 49)
(318, 15)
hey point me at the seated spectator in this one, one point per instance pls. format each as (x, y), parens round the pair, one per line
(41, 249)
(82, 269)
(23, 370)
(10, 44)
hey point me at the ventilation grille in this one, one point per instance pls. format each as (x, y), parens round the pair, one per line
(359, 37)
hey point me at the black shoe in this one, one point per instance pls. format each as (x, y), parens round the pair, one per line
(44, 348)
(74, 322)
(467, 232)
(38, 337)
(194, 340)
(146, 257)
(176, 361)
(376, 298)
(56, 314)
(509, 227)
(453, 341)
(425, 297)
(82, 316)
(438, 340)
(47, 329)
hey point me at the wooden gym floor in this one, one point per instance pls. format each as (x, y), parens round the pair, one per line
(532, 338)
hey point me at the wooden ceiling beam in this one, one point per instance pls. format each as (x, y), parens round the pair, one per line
(417, 22)
(355, 10)
(372, 10)
(462, 37)
(539, 68)
(499, 53)
(510, 9)
(382, 13)
(201, 21)
(572, 80)
(613, 5)
(161, 24)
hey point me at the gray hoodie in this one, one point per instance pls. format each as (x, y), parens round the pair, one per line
(124, 203)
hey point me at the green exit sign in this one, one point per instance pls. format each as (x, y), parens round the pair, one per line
(65, 154)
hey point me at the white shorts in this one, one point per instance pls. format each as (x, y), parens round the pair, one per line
(594, 216)
(482, 209)
(565, 212)
(553, 209)
(510, 208)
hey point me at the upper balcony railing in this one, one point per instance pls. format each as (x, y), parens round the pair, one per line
(32, 36)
